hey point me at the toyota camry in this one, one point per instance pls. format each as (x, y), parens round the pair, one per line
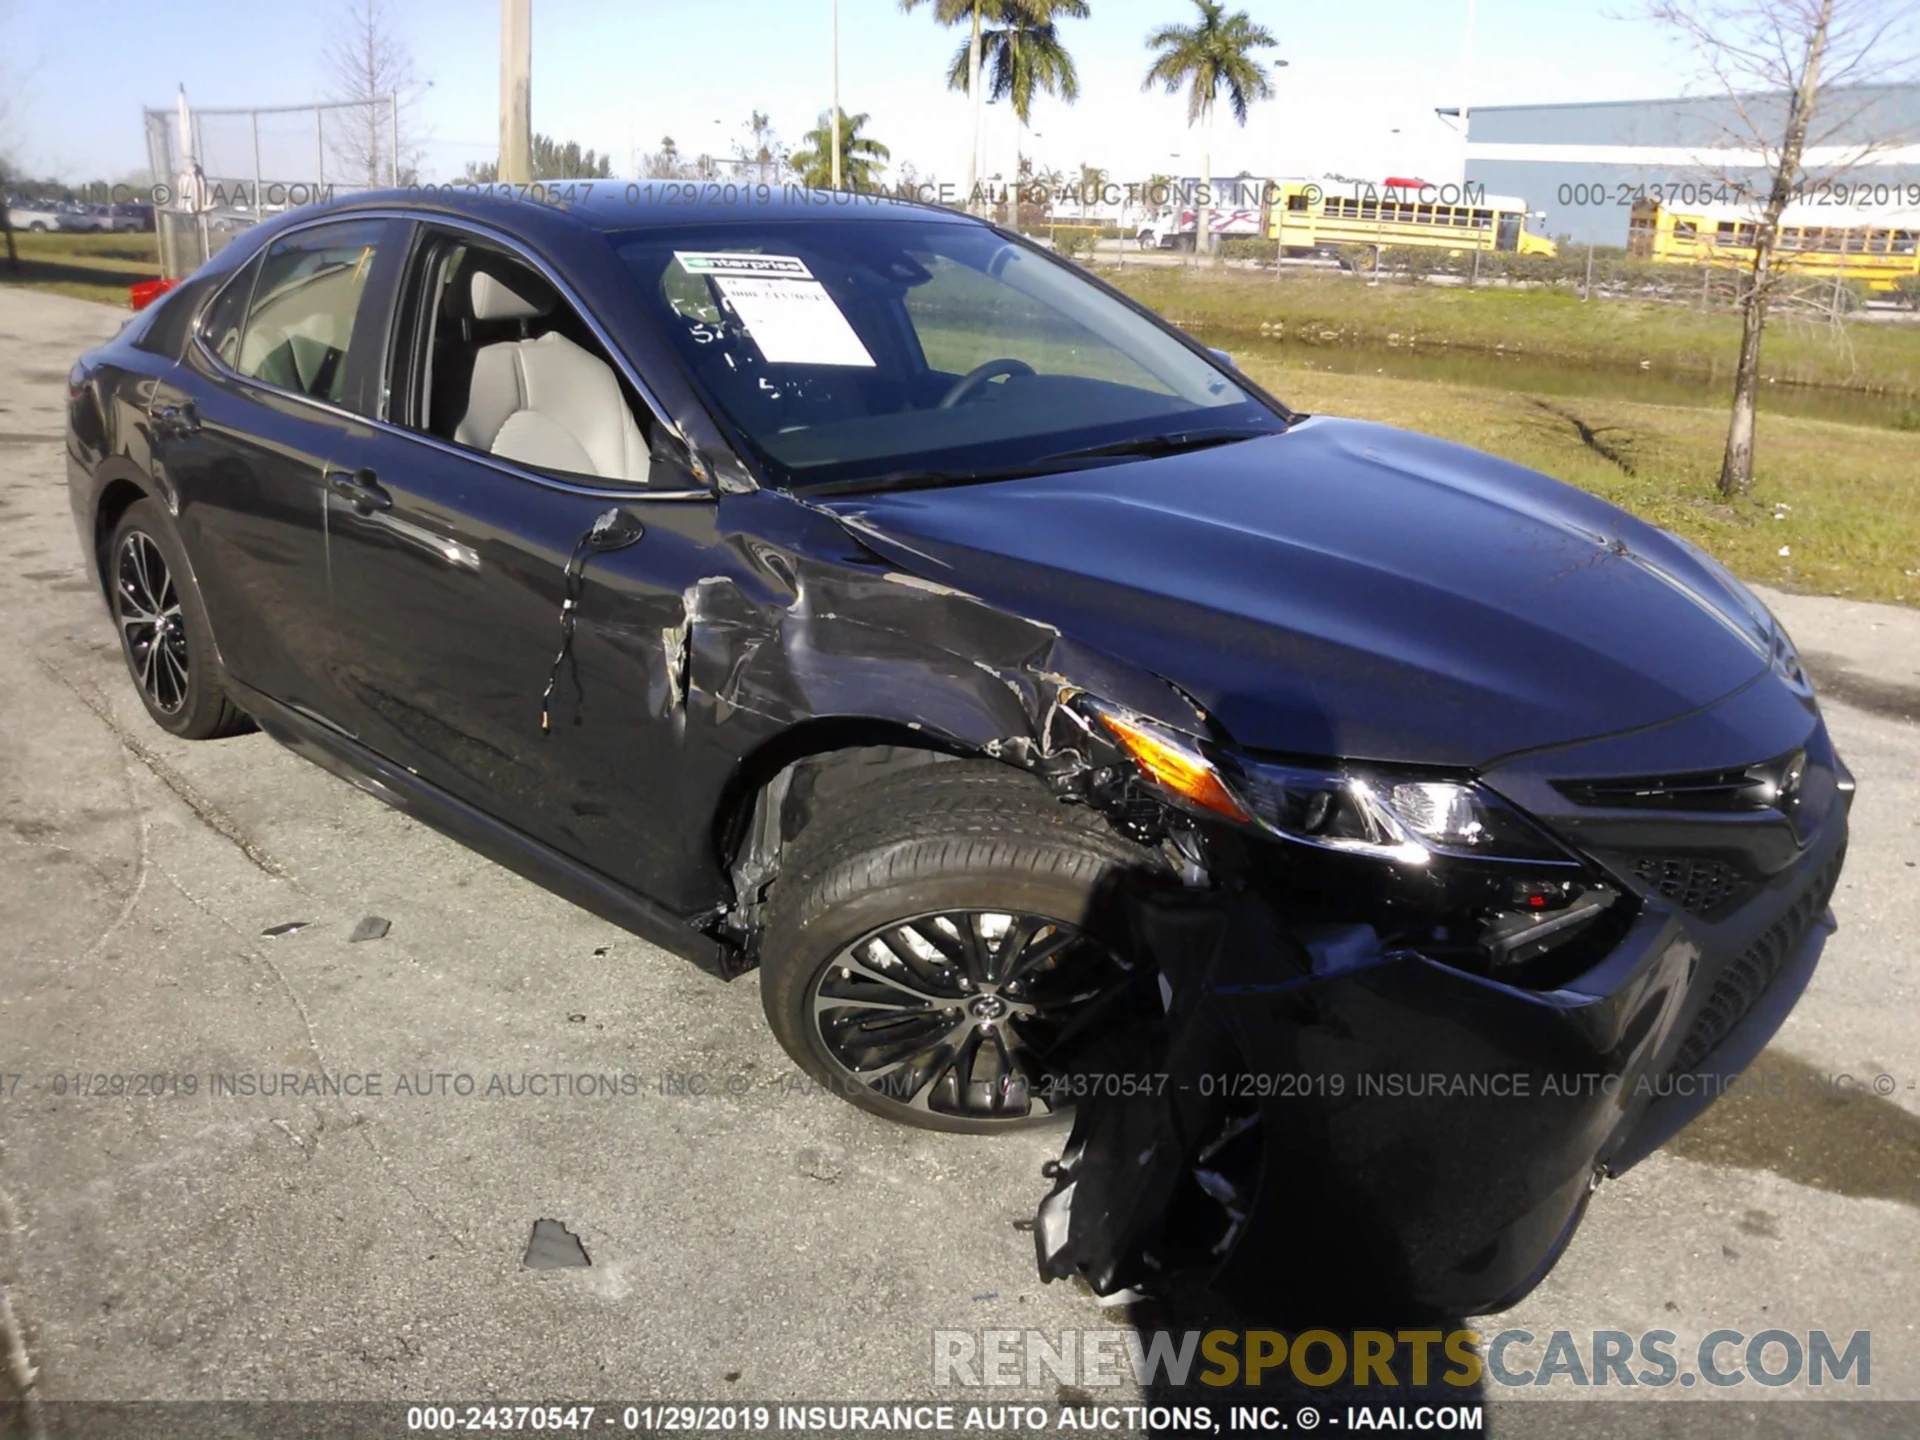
(1351, 830)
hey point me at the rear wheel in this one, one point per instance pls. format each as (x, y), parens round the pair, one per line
(938, 941)
(164, 635)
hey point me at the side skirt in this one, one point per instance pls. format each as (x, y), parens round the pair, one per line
(328, 748)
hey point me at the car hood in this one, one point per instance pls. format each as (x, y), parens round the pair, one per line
(1349, 589)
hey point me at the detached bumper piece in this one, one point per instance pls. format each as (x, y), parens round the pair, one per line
(1316, 1123)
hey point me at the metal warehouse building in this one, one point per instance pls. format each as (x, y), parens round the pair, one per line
(1585, 164)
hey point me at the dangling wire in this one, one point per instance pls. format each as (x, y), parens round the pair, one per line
(614, 530)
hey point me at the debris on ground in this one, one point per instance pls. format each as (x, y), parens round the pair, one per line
(554, 1247)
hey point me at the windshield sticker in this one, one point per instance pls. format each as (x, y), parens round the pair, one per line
(696, 262)
(794, 322)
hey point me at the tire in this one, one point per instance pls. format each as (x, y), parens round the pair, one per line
(894, 877)
(164, 635)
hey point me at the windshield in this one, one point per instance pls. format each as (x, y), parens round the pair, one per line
(882, 350)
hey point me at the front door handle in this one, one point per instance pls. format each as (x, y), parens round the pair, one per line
(361, 489)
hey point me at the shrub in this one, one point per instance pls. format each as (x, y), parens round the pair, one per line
(1075, 241)
(1249, 247)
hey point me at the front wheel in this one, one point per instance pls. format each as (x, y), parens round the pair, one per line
(940, 940)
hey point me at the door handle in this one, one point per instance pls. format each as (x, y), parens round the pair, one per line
(177, 419)
(361, 489)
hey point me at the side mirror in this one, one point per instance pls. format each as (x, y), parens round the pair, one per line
(673, 474)
(1225, 357)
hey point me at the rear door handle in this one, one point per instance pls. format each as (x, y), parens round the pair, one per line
(177, 419)
(361, 489)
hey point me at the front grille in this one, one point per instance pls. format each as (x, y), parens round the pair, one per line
(1741, 984)
(1742, 788)
(1700, 887)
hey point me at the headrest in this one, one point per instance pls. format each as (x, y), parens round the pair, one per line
(493, 299)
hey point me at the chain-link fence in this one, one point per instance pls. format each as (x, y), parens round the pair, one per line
(219, 171)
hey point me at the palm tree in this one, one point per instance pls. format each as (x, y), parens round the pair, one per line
(1093, 181)
(862, 158)
(974, 13)
(1023, 50)
(1207, 58)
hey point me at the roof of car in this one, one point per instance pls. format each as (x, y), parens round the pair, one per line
(613, 205)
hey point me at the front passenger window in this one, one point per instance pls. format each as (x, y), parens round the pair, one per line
(503, 365)
(304, 306)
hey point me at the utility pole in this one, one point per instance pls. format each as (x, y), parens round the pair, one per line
(833, 120)
(1277, 218)
(516, 91)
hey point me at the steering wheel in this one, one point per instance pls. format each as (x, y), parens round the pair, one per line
(968, 383)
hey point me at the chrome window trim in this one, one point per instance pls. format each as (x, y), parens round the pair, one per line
(494, 462)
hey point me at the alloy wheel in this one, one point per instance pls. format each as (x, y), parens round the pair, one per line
(960, 1013)
(147, 605)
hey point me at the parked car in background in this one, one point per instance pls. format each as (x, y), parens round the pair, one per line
(81, 219)
(33, 215)
(129, 216)
(864, 595)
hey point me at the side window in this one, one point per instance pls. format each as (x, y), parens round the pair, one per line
(226, 318)
(502, 364)
(305, 303)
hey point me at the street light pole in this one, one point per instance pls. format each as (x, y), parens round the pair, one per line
(1273, 166)
(833, 121)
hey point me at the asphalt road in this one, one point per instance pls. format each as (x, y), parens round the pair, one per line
(751, 1242)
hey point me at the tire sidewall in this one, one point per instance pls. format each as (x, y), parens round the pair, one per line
(792, 958)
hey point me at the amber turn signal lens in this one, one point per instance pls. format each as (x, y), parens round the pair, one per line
(1184, 771)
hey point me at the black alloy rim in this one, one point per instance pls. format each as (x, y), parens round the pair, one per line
(959, 1013)
(147, 604)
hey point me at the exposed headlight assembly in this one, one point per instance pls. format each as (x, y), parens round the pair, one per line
(1406, 820)
(1519, 895)
(1357, 809)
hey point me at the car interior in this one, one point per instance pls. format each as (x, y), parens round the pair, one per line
(302, 321)
(509, 368)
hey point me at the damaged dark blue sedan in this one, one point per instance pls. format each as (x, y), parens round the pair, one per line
(1374, 844)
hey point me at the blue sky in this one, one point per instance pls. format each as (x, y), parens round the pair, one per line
(1357, 96)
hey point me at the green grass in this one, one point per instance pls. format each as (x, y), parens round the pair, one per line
(1671, 338)
(87, 267)
(1848, 496)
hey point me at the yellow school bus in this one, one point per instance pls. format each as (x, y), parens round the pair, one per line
(1823, 241)
(1306, 216)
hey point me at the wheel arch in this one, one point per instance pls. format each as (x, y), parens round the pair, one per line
(781, 784)
(116, 497)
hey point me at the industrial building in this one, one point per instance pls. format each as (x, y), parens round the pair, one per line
(1585, 165)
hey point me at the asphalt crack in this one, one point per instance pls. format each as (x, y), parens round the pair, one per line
(355, 1119)
(209, 813)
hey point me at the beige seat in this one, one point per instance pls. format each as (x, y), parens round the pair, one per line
(547, 402)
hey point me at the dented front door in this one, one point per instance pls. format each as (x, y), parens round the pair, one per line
(447, 577)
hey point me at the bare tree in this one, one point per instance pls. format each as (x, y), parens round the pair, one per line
(369, 64)
(761, 157)
(664, 163)
(1799, 77)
